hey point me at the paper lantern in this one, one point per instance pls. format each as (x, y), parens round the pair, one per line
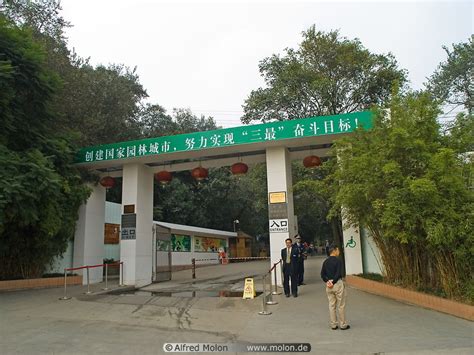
(239, 169)
(163, 177)
(107, 182)
(312, 161)
(199, 173)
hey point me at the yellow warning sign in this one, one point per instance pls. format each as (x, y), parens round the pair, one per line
(249, 289)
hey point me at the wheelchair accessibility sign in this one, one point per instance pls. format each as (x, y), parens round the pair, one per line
(351, 243)
(278, 225)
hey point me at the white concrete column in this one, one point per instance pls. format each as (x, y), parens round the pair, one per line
(89, 235)
(279, 179)
(136, 254)
(352, 248)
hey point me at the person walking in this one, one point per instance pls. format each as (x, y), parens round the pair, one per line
(326, 247)
(331, 273)
(289, 257)
(301, 258)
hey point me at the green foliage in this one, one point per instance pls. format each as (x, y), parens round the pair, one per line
(155, 122)
(402, 183)
(216, 202)
(327, 75)
(102, 103)
(42, 16)
(40, 191)
(460, 136)
(312, 203)
(452, 81)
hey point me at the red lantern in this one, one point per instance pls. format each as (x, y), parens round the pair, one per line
(312, 161)
(199, 173)
(239, 168)
(107, 182)
(163, 177)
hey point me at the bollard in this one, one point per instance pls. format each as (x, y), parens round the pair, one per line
(276, 287)
(88, 289)
(121, 274)
(65, 285)
(193, 261)
(281, 271)
(264, 312)
(106, 272)
(271, 301)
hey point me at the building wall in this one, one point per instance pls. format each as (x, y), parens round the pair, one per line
(112, 251)
(371, 260)
(113, 214)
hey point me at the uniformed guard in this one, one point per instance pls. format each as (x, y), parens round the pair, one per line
(302, 255)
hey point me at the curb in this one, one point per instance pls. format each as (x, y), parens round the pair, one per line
(439, 304)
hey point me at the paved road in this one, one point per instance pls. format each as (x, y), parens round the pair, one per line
(36, 322)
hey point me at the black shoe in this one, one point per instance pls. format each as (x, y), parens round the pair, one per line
(346, 327)
(334, 328)
(287, 295)
(302, 284)
(295, 295)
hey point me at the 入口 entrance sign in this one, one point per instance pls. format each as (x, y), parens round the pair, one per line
(266, 132)
(278, 225)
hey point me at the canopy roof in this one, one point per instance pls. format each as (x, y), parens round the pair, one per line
(197, 231)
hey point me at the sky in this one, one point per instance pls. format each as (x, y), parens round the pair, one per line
(204, 55)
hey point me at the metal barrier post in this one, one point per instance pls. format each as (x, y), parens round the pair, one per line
(88, 289)
(106, 272)
(193, 261)
(271, 301)
(121, 274)
(264, 312)
(281, 271)
(65, 285)
(275, 274)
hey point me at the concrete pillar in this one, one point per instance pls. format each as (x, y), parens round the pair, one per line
(352, 248)
(136, 252)
(279, 180)
(89, 235)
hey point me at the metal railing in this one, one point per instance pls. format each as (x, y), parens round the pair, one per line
(87, 267)
(270, 301)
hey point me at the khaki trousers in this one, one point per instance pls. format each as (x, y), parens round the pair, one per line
(337, 298)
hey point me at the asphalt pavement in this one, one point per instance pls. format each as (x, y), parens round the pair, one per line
(142, 321)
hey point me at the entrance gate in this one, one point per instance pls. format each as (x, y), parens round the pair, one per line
(274, 143)
(162, 253)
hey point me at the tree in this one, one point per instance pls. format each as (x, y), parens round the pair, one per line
(41, 16)
(452, 82)
(216, 202)
(40, 190)
(155, 122)
(313, 204)
(103, 103)
(328, 74)
(402, 183)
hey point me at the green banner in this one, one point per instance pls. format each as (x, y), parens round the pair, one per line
(273, 131)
